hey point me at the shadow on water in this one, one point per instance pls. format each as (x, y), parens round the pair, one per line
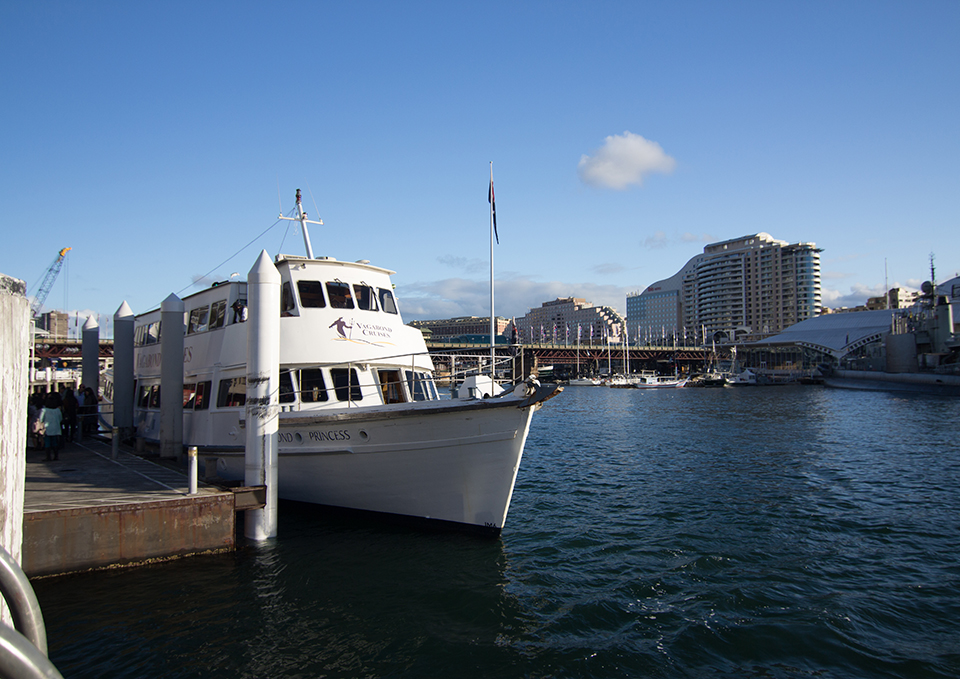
(777, 532)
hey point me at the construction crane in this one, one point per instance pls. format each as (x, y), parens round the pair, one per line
(48, 279)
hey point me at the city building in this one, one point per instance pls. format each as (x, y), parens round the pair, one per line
(896, 298)
(567, 319)
(739, 289)
(56, 324)
(463, 325)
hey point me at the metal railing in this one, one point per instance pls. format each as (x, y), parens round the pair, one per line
(23, 650)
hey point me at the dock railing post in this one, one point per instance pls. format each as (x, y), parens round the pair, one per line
(192, 469)
(171, 378)
(262, 405)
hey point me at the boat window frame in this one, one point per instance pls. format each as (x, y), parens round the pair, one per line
(318, 392)
(307, 298)
(391, 386)
(288, 302)
(202, 395)
(199, 320)
(286, 392)
(361, 290)
(415, 384)
(339, 300)
(350, 391)
(218, 315)
(232, 392)
(384, 295)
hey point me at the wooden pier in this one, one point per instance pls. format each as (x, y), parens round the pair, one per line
(88, 511)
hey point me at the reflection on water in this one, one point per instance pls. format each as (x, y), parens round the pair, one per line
(733, 532)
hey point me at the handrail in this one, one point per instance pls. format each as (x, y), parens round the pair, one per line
(20, 659)
(24, 608)
(23, 651)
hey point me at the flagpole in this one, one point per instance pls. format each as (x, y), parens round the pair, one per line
(492, 317)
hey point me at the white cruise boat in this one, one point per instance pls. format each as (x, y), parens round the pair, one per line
(361, 424)
(650, 380)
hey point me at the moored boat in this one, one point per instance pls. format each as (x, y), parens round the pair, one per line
(649, 380)
(361, 423)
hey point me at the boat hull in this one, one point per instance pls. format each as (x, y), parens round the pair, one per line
(925, 383)
(445, 462)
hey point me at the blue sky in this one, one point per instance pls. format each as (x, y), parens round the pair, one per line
(152, 138)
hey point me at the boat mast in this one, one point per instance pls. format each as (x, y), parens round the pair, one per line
(302, 218)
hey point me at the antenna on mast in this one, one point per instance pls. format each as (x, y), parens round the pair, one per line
(302, 218)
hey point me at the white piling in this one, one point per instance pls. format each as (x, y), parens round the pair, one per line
(90, 354)
(14, 387)
(263, 373)
(192, 469)
(123, 332)
(171, 377)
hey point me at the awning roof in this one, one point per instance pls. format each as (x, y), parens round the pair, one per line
(835, 334)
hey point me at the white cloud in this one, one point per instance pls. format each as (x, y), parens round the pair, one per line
(624, 160)
(463, 264)
(656, 241)
(857, 296)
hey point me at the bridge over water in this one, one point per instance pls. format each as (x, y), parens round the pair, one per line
(592, 359)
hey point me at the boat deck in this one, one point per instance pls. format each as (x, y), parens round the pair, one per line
(86, 510)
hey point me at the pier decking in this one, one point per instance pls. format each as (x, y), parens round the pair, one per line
(86, 510)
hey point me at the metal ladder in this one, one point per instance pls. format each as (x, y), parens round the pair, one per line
(23, 650)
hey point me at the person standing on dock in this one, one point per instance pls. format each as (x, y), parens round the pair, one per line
(70, 408)
(52, 419)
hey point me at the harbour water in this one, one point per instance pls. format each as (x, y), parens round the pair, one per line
(754, 532)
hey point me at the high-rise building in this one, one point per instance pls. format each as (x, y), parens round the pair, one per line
(747, 287)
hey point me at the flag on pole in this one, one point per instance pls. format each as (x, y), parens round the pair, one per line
(493, 209)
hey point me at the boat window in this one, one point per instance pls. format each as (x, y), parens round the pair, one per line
(431, 387)
(346, 384)
(218, 312)
(387, 302)
(198, 320)
(390, 386)
(189, 393)
(202, 398)
(154, 396)
(366, 298)
(417, 388)
(339, 294)
(286, 387)
(312, 387)
(286, 298)
(153, 333)
(233, 392)
(311, 294)
(140, 335)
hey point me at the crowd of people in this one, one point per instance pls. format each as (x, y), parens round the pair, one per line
(55, 417)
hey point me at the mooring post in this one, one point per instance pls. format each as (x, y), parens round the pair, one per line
(192, 468)
(14, 387)
(123, 331)
(90, 372)
(171, 377)
(263, 378)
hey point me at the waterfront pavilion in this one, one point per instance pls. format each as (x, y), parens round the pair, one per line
(823, 339)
